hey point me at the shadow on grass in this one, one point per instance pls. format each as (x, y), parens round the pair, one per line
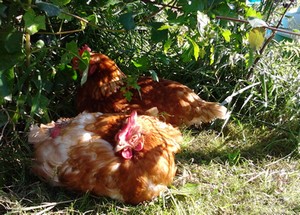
(248, 143)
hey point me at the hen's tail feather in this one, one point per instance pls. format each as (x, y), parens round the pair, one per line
(207, 112)
(215, 110)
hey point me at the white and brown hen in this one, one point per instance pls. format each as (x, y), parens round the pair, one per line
(126, 157)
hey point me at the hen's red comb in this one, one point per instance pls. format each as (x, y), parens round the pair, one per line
(84, 48)
(75, 60)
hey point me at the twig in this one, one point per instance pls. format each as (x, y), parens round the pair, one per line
(3, 129)
(46, 205)
(283, 158)
(91, 24)
(269, 40)
(268, 27)
(161, 4)
(61, 32)
(154, 13)
(229, 98)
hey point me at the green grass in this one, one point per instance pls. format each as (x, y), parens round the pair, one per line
(245, 170)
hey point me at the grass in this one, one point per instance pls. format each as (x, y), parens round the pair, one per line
(246, 170)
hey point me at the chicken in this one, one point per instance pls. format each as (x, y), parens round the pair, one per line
(125, 157)
(171, 101)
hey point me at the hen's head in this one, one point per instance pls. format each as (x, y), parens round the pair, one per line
(75, 60)
(130, 137)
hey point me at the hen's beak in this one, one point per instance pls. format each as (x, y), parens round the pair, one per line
(121, 145)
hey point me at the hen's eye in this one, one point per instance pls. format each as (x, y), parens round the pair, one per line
(134, 138)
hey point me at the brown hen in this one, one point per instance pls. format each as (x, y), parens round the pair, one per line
(171, 101)
(128, 158)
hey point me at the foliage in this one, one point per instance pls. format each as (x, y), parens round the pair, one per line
(175, 39)
(218, 48)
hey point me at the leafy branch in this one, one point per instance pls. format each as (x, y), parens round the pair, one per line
(269, 39)
(275, 29)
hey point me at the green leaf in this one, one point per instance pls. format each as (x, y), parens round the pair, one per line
(251, 12)
(193, 6)
(13, 41)
(234, 157)
(226, 34)
(256, 38)
(158, 35)
(164, 27)
(154, 75)
(136, 64)
(111, 2)
(127, 21)
(167, 45)
(72, 47)
(64, 76)
(64, 16)
(211, 55)
(6, 83)
(249, 59)
(141, 63)
(33, 23)
(93, 19)
(72, 51)
(2, 10)
(202, 53)
(131, 81)
(9, 60)
(60, 2)
(84, 66)
(39, 104)
(49, 9)
(84, 76)
(196, 48)
(187, 54)
(127, 94)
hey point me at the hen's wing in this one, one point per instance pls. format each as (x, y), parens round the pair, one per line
(173, 102)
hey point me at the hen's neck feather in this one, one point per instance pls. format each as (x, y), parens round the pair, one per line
(106, 73)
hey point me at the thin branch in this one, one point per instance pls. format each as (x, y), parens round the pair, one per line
(61, 32)
(161, 4)
(154, 13)
(91, 24)
(268, 41)
(268, 27)
(4, 126)
(273, 33)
